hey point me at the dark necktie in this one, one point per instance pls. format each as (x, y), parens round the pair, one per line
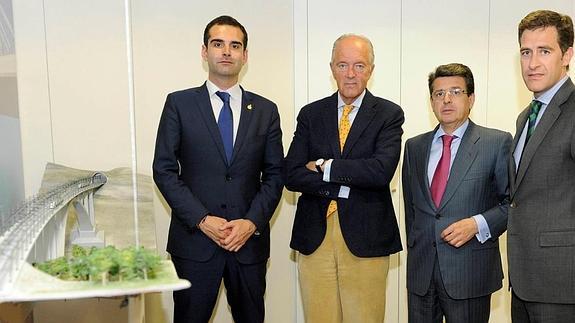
(535, 107)
(226, 125)
(439, 181)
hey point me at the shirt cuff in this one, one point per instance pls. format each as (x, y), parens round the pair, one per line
(343, 192)
(327, 170)
(484, 234)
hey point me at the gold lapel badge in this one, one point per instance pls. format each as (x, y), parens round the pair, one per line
(249, 107)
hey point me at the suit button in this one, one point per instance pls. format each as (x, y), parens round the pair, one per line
(437, 216)
(434, 244)
(223, 206)
(228, 178)
(513, 205)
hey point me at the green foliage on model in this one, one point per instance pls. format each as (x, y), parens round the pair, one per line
(104, 264)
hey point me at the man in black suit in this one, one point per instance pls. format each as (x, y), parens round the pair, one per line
(218, 164)
(343, 155)
(455, 190)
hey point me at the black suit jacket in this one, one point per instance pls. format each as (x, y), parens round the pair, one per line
(192, 173)
(367, 165)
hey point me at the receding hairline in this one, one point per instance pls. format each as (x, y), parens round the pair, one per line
(360, 37)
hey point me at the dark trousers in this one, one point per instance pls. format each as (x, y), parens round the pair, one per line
(534, 312)
(436, 303)
(245, 288)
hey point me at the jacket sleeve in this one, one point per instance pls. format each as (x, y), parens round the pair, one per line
(496, 217)
(406, 173)
(166, 169)
(297, 177)
(263, 205)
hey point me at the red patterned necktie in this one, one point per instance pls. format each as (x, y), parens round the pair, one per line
(439, 181)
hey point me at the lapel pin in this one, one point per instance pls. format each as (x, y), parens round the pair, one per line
(249, 107)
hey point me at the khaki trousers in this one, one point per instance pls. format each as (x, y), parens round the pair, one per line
(337, 286)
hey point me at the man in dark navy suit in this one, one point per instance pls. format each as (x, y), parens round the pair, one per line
(218, 165)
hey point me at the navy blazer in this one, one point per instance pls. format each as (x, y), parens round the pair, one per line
(366, 165)
(191, 171)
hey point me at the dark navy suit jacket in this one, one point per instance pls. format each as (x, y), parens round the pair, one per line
(191, 171)
(367, 165)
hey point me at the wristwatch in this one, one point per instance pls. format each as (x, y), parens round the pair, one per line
(318, 164)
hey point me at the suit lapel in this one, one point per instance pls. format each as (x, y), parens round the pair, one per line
(549, 117)
(245, 121)
(547, 120)
(465, 157)
(363, 118)
(205, 106)
(424, 149)
(520, 125)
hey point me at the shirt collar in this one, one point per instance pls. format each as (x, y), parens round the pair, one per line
(458, 133)
(546, 97)
(235, 91)
(356, 103)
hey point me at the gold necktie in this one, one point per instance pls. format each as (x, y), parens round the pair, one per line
(344, 127)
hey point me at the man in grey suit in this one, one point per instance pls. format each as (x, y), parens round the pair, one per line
(455, 189)
(541, 236)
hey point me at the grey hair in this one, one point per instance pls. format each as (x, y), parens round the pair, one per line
(365, 39)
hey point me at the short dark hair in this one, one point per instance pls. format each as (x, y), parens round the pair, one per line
(453, 69)
(547, 18)
(225, 20)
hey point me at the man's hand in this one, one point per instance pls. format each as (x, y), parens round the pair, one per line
(240, 231)
(311, 166)
(458, 233)
(212, 227)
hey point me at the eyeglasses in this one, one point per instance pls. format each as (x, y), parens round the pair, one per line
(454, 92)
(358, 68)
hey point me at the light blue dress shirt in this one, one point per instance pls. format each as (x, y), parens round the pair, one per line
(343, 190)
(435, 154)
(544, 98)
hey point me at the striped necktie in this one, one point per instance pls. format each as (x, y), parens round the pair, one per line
(535, 106)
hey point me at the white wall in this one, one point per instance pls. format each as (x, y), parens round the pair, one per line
(73, 84)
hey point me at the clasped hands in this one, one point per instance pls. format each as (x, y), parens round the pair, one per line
(230, 235)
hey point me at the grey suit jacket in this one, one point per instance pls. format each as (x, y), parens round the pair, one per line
(541, 236)
(478, 184)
